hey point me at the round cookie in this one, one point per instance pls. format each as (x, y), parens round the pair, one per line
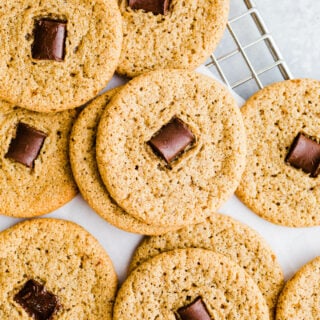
(92, 46)
(270, 186)
(206, 173)
(30, 189)
(183, 38)
(86, 174)
(158, 288)
(226, 236)
(300, 297)
(66, 260)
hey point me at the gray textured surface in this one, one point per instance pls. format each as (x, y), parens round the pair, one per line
(295, 27)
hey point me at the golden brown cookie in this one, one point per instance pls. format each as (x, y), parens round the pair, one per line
(226, 236)
(57, 54)
(300, 297)
(160, 287)
(202, 174)
(272, 187)
(86, 174)
(182, 38)
(54, 269)
(35, 173)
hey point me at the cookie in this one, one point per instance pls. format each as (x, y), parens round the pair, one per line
(168, 283)
(273, 185)
(171, 147)
(57, 54)
(35, 173)
(226, 236)
(86, 174)
(183, 37)
(299, 299)
(54, 269)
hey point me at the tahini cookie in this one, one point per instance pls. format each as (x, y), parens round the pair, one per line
(54, 269)
(171, 147)
(300, 297)
(35, 173)
(86, 174)
(226, 236)
(189, 284)
(57, 54)
(169, 33)
(281, 181)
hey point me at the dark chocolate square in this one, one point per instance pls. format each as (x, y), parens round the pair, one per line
(26, 145)
(172, 140)
(36, 301)
(154, 6)
(194, 311)
(304, 154)
(49, 40)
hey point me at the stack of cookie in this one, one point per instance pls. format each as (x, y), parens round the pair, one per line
(190, 284)
(157, 157)
(58, 55)
(204, 261)
(55, 56)
(170, 149)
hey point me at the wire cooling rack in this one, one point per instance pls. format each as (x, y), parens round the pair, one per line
(247, 58)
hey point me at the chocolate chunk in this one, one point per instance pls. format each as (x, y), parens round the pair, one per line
(49, 40)
(26, 145)
(36, 301)
(194, 311)
(154, 6)
(171, 140)
(304, 154)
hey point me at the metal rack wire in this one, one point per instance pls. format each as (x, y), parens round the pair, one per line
(247, 58)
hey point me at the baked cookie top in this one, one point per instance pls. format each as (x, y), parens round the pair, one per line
(271, 186)
(160, 287)
(86, 174)
(57, 54)
(35, 174)
(300, 297)
(54, 268)
(182, 38)
(226, 236)
(197, 125)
